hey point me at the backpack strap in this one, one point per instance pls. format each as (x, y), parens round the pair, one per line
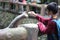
(57, 21)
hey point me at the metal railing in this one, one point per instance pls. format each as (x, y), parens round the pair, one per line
(19, 6)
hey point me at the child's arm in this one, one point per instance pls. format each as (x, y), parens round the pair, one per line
(38, 17)
(41, 18)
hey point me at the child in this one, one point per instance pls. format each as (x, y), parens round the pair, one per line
(50, 26)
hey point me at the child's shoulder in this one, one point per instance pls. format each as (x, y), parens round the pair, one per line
(52, 22)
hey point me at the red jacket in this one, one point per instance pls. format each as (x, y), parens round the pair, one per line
(46, 26)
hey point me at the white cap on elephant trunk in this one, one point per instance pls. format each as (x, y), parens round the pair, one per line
(25, 14)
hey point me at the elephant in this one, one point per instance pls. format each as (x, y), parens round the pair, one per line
(20, 32)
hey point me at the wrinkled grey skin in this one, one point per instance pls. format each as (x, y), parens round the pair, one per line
(19, 33)
(22, 32)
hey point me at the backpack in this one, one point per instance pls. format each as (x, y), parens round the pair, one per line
(58, 27)
(53, 36)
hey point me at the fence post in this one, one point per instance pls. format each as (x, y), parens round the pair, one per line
(16, 7)
(27, 8)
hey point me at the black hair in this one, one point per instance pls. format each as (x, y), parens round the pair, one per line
(52, 7)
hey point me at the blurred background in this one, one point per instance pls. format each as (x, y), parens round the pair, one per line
(9, 9)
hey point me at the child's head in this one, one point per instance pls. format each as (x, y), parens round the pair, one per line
(52, 8)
